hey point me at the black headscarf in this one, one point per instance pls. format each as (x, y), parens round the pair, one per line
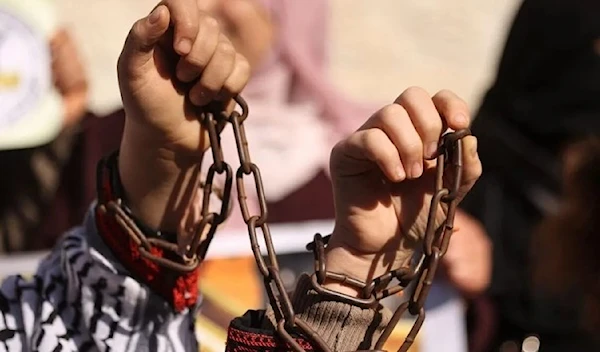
(548, 82)
(546, 94)
(547, 91)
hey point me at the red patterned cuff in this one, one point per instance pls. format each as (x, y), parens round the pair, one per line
(179, 289)
(248, 334)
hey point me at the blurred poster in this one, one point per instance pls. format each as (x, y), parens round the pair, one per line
(31, 111)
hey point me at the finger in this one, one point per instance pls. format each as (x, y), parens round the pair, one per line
(375, 146)
(58, 41)
(209, 6)
(68, 71)
(191, 66)
(424, 117)
(472, 168)
(393, 119)
(184, 18)
(453, 109)
(237, 80)
(142, 37)
(218, 69)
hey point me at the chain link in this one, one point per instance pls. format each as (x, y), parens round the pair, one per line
(424, 265)
(435, 243)
(287, 322)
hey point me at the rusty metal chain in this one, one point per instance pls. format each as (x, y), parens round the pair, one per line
(287, 322)
(435, 243)
(424, 265)
(422, 271)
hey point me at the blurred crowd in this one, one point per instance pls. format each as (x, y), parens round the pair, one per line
(524, 251)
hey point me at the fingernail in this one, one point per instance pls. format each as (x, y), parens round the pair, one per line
(416, 170)
(184, 46)
(431, 149)
(462, 119)
(154, 16)
(400, 173)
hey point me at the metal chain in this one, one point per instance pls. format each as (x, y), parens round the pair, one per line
(424, 265)
(435, 243)
(287, 322)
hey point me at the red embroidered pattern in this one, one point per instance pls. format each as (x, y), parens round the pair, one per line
(181, 290)
(246, 341)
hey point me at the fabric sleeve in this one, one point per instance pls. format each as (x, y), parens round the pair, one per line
(342, 326)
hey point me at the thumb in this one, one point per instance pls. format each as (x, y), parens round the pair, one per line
(142, 38)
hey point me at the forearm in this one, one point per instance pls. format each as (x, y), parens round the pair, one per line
(158, 185)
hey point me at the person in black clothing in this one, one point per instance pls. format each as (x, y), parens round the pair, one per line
(545, 97)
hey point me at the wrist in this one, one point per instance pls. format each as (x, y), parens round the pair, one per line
(158, 182)
(344, 259)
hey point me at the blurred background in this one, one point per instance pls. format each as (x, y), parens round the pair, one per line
(374, 51)
(320, 68)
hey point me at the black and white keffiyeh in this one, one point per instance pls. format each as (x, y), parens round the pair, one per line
(80, 299)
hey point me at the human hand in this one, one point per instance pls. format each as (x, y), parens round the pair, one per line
(468, 261)
(69, 76)
(383, 185)
(174, 62)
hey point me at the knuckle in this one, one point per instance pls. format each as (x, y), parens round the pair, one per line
(239, 78)
(413, 92)
(198, 58)
(188, 26)
(210, 24)
(370, 142)
(432, 128)
(413, 149)
(337, 152)
(197, 61)
(459, 104)
(370, 137)
(390, 112)
(210, 86)
(243, 65)
(137, 30)
(444, 93)
(451, 99)
(226, 48)
(210, 89)
(337, 148)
